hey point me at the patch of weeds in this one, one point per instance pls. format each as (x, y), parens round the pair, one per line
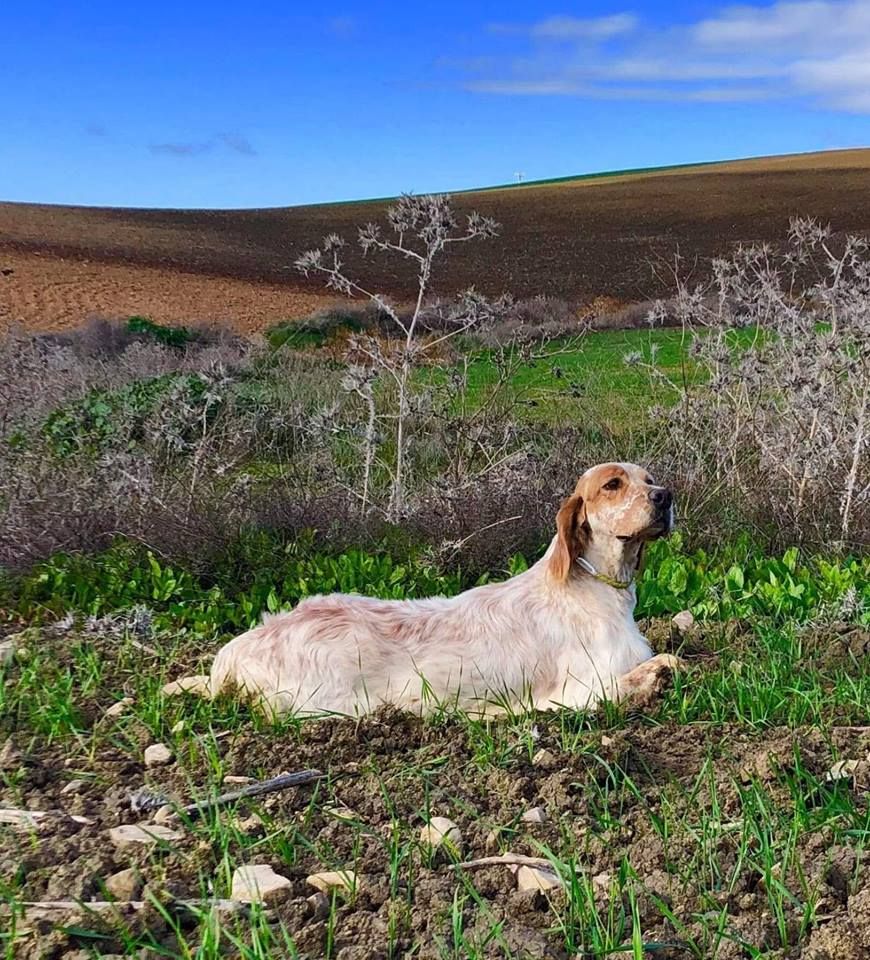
(177, 337)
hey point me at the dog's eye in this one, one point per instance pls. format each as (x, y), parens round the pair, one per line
(613, 484)
(649, 480)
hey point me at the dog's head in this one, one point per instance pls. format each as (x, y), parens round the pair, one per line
(620, 501)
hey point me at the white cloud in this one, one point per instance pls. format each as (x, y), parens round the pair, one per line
(567, 88)
(800, 26)
(814, 50)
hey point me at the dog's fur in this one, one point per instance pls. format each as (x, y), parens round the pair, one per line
(556, 635)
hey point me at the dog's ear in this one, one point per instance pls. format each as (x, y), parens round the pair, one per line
(571, 536)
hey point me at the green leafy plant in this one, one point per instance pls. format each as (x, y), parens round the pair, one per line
(168, 336)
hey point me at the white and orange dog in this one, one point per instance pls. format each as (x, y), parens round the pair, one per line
(561, 634)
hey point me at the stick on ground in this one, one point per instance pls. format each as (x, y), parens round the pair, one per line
(144, 800)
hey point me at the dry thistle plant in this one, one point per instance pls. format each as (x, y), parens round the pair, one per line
(783, 419)
(421, 230)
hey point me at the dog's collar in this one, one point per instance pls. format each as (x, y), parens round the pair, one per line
(602, 577)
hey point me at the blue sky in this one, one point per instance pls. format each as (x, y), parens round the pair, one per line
(223, 104)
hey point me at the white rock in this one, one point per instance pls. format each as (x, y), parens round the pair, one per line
(606, 741)
(341, 881)
(22, 818)
(7, 651)
(257, 883)
(229, 779)
(683, 621)
(146, 833)
(198, 685)
(74, 786)
(537, 878)
(543, 758)
(534, 815)
(842, 770)
(124, 885)
(121, 707)
(165, 815)
(441, 831)
(157, 755)
(30, 819)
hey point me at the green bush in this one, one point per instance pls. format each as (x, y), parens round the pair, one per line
(734, 583)
(741, 582)
(102, 417)
(168, 336)
(315, 330)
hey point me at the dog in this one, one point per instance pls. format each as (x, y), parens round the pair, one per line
(560, 634)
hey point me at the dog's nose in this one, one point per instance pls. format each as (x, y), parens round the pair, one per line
(661, 497)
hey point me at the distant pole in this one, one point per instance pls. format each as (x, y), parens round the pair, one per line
(519, 176)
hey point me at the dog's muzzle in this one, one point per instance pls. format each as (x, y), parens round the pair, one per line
(663, 509)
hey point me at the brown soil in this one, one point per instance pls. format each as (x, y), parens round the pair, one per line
(576, 239)
(46, 292)
(389, 769)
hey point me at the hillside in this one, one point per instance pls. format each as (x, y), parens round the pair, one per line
(574, 238)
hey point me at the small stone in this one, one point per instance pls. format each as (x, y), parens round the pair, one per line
(257, 883)
(442, 832)
(74, 786)
(683, 621)
(129, 834)
(31, 819)
(165, 815)
(534, 815)
(842, 770)
(318, 906)
(198, 685)
(537, 878)
(124, 885)
(341, 813)
(601, 883)
(340, 881)
(250, 825)
(121, 707)
(606, 741)
(7, 650)
(543, 758)
(230, 779)
(157, 755)
(26, 819)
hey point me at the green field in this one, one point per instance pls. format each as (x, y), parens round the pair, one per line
(612, 377)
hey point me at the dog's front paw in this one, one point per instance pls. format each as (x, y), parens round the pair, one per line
(641, 688)
(667, 661)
